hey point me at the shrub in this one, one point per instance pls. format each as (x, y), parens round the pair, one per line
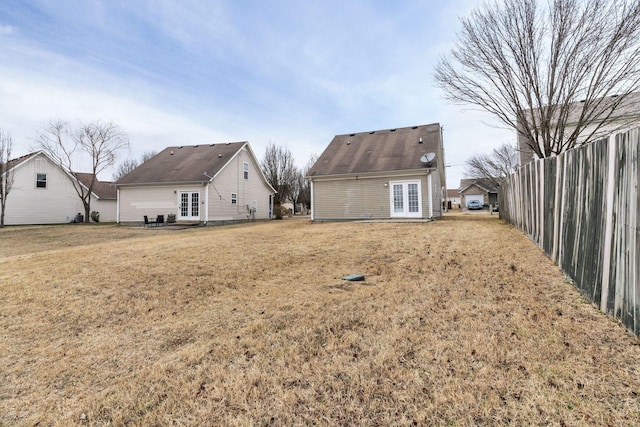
(95, 216)
(171, 218)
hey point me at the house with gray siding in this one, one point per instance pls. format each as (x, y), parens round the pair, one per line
(208, 183)
(43, 192)
(383, 174)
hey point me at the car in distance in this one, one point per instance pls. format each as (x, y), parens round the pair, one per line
(474, 204)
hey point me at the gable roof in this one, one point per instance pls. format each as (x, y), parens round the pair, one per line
(379, 151)
(482, 183)
(19, 160)
(101, 189)
(452, 193)
(182, 164)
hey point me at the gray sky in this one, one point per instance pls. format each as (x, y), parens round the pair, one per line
(294, 73)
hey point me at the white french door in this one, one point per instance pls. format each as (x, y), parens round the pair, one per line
(189, 208)
(406, 197)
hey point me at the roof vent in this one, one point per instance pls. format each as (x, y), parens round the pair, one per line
(372, 132)
(393, 130)
(348, 142)
(180, 147)
(172, 152)
(420, 142)
(219, 155)
(195, 146)
(415, 127)
(352, 134)
(211, 145)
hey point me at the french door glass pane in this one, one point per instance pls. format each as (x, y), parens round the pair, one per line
(398, 201)
(184, 204)
(195, 204)
(414, 203)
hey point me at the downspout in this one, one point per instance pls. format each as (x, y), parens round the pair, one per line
(117, 205)
(312, 202)
(206, 202)
(429, 188)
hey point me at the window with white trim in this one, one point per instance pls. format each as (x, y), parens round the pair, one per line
(41, 180)
(234, 198)
(245, 170)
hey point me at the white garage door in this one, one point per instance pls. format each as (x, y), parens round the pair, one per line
(470, 197)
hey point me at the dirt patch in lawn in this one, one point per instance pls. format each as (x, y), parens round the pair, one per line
(461, 321)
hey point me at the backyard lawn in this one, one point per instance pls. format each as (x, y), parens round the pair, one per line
(461, 321)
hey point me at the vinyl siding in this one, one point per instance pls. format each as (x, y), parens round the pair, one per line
(367, 198)
(107, 209)
(231, 180)
(56, 204)
(153, 200)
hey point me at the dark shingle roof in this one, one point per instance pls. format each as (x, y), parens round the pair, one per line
(102, 189)
(183, 164)
(15, 162)
(379, 151)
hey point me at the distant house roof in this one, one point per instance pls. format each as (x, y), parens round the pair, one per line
(102, 189)
(453, 193)
(183, 164)
(482, 183)
(379, 151)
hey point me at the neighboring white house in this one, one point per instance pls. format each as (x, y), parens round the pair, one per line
(453, 198)
(393, 173)
(625, 117)
(43, 193)
(197, 183)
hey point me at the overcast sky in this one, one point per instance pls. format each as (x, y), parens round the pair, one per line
(294, 73)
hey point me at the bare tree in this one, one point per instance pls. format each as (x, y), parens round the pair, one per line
(6, 173)
(279, 168)
(96, 141)
(130, 164)
(559, 72)
(495, 167)
(124, 168)
(303, 185)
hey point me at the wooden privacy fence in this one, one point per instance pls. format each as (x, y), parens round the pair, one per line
(582, 209)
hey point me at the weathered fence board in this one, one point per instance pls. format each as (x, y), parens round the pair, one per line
(582, 209)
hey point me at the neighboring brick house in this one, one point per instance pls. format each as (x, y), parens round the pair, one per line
(481, 189)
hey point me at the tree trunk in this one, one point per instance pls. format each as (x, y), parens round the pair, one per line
(87, 208)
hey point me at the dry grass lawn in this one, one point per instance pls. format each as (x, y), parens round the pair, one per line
(462, 321)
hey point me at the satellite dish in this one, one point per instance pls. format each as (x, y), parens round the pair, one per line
(427, 157)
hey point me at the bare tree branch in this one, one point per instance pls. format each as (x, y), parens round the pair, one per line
(6, 173)
(494, 167)
(99, 142)
(560, 72)
(279, 169)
